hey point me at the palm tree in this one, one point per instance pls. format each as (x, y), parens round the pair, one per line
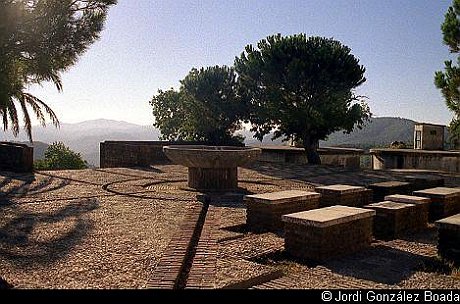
(39, 39)
(13, 95)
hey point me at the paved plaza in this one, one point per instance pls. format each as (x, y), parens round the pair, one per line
(144, 228)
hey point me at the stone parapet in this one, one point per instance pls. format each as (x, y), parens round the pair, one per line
(128, 154)
(443, 161)
(16, 157)
(343, 157)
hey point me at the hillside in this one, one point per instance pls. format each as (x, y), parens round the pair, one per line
(85, 137)
(379, 132)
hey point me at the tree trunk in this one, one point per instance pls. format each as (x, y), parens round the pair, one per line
(311, 148)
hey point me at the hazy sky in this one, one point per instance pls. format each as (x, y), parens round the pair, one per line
(149, 45)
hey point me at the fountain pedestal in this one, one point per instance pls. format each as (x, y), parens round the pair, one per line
(212, 168)
(213, 178)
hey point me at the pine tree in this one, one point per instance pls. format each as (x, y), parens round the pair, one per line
(206, 108)
(302, 88)
(449, 80)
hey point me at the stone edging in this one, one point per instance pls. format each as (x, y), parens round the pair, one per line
(203, 272)
(169, 271)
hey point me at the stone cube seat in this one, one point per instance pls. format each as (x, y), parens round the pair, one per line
(418, 217)
(420, 182)
(449, 238)
(327, 232)
(382, 189)
(264, 211)
(444, 201)
(392, 219)
(344, 195)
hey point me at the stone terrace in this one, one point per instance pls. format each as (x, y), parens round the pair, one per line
(143, 228)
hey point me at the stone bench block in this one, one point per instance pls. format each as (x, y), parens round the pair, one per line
(449, 238)
(419, 214)
(392, 219)
(344, 195)
(264, 211)
(383, 189)
(324, 233)
(444, 201)
(420, 182)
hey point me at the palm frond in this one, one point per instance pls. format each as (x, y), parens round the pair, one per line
(4, 118)
(13, 115)
(32, 99)
(27, 123)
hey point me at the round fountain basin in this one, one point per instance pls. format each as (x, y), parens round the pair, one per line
(211, 156)
(212, 167)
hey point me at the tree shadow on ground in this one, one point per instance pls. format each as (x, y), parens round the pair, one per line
(65, 228)
(240, 228)
(427, 236)
(380, 264)
(232, 199)
(436, 265)
(4, 284)
(151, 168)
(23, 185)
(323, 174)
(278, 257)
(10, 178)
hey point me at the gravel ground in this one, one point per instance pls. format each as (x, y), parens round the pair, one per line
(103, 242)
(426, 280)
(232, 224)
(231, 271)
(108, 228)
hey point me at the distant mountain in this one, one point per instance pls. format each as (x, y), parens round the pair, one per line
(267, 140)
(85, 137)
(378, 132)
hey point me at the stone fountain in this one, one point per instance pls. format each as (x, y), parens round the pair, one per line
(212, 168)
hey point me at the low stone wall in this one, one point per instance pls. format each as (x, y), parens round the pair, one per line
(16, 157)
(135, 153)
(447, 161)
(344, 157)
(146, 153)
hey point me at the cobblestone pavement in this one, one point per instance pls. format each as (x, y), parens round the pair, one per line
(144, 228)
